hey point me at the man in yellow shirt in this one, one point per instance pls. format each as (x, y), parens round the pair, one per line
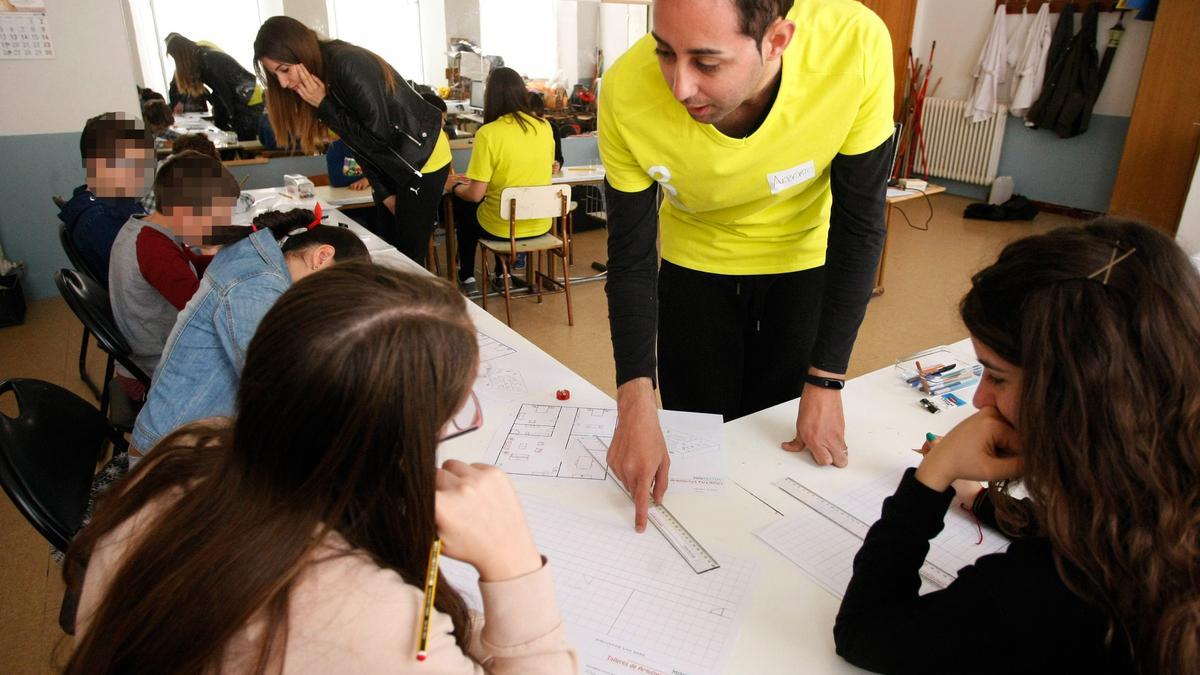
(766, 128)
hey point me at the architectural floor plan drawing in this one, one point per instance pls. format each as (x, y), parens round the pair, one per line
(631, 604)
(491, 348)
(554, 441)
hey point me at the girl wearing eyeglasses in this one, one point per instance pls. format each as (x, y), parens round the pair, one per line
(296, 536)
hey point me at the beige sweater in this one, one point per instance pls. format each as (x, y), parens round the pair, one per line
(348, 615)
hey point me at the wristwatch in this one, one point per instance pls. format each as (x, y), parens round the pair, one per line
(825, 382)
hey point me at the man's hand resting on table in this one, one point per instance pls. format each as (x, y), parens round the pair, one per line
(638, 453)
(821, 425)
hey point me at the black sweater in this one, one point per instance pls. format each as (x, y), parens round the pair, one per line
(1008, 613)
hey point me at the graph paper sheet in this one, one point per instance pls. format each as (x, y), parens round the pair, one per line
(825, 550)
(628, 599)
(559, 441)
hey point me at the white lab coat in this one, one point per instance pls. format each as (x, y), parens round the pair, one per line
(990, 71)
(1017, 36)
(1031, 67)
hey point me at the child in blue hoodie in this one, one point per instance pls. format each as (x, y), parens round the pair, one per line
(118, 154)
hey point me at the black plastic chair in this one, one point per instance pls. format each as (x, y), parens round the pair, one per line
(48, 456)
(82, 267)
(90, 304)
(48, 462)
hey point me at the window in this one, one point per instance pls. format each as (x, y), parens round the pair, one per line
(229, 24)
(390, 29)
(525, 34)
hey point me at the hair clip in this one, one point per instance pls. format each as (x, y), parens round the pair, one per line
(317, 219)
(1113, 260)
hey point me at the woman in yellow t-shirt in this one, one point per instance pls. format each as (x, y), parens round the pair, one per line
(514, 147)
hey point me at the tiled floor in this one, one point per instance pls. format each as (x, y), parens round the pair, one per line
(927, 273)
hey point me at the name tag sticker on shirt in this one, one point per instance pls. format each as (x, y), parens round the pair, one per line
(782, 180)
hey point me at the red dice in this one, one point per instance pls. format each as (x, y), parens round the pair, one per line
(563, 394)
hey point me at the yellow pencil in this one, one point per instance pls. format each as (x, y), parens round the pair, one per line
(431, 575)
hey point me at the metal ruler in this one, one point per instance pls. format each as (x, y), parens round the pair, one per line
(850, 523)
(693, 553)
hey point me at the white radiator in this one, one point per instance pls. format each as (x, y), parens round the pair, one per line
(957, 148)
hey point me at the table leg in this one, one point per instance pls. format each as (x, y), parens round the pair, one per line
(451, 240)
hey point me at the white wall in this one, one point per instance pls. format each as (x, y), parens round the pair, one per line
(1188, 234)
(587, 37)
(311, 13)
(961, 27)
(620, 26)
(433, 42)
(92, 72)
(568, 43)
(462, 19)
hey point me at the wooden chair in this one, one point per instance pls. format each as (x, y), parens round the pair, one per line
(524, 203)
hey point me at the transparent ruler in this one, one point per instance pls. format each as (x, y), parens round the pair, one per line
(699, 559)
(850, 523)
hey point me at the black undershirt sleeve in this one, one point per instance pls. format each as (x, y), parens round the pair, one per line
(632, 285)
(857, 229)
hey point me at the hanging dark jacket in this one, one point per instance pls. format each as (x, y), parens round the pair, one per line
(1065, 105)
(391, 134)
(1063, 30)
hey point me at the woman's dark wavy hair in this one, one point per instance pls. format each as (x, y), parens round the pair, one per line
(1104, 322)
(347, 384)
(287, 40)
(506, 94)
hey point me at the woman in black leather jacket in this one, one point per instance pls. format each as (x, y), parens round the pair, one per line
(236, 98)
(315, 86)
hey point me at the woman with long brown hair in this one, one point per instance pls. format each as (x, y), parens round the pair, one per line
(205, 73)
(315, 86)
(296, 536)
(514, 147)
(1090, 400)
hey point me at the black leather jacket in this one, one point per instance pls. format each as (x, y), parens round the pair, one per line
(390, 134)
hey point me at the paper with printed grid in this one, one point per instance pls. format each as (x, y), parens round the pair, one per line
(628, 599)
(825, 549)
(569, 442)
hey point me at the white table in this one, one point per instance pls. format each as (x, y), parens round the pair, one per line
(194, 123)
(275, 199)
(788, 626)
(578, 175)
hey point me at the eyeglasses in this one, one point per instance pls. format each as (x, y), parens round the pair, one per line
(467, 419)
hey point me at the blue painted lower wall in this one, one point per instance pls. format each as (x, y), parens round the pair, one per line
(1078, 172)
(38, 166)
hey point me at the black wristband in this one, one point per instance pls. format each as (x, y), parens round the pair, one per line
(825, 382)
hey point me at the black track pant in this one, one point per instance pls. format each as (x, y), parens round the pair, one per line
(416, 215)
(734, 345)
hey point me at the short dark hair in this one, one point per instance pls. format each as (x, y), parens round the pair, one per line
(157, 114)
(198, 142)
(193, 180)
(755, 16)
(104, 135)
(435, 101)
(148, 94)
